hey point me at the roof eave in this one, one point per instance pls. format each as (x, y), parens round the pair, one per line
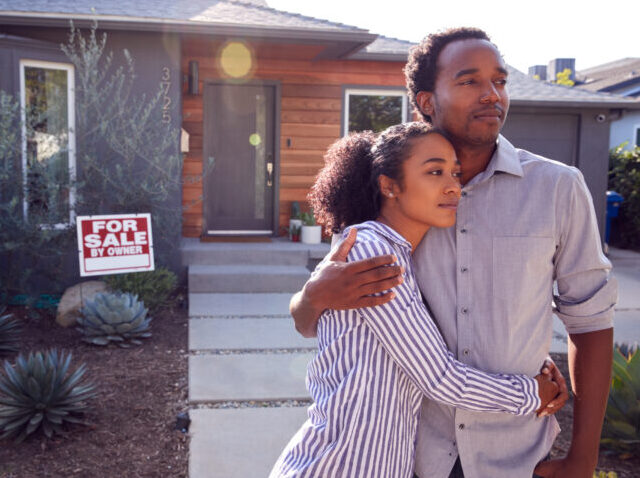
(632, 105)
(357, 39)
(375, 56)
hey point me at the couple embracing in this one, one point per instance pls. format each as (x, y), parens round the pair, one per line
(434, 314)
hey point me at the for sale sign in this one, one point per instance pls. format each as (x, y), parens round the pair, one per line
(114, 244)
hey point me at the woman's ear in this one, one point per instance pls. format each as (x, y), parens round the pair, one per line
(388, 187)
(425, 102)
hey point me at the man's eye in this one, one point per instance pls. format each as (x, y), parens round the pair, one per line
(502, 81)
(467, 82)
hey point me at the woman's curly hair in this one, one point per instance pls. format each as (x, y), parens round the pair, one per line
(346, 190)
(420, 70)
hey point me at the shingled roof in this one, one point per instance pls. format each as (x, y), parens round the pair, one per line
(611, 76)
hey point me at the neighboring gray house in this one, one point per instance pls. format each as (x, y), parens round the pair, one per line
(301, 77)
(620, 77)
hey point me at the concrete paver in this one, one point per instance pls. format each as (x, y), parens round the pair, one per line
(240, 443)
(238, 305)
(245, 333)
(214, 378)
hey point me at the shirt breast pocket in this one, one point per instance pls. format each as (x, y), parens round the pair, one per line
(522, 274)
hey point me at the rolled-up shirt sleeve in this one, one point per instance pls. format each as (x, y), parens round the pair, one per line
(408, 334)
(586, 290)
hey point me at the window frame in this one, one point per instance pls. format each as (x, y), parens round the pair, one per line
(71, 125)
(372, 91)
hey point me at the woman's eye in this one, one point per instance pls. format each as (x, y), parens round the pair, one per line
(457, 174)
(436, 172)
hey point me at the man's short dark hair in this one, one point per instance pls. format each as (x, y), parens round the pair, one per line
(420, 70)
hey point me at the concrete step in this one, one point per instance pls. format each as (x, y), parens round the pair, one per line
(246, 334)
(239, 305)
(240, 377)
(277, 252)
(246, 278)
(240, 443)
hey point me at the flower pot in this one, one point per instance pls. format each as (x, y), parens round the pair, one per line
(294, 224)
(311, 234)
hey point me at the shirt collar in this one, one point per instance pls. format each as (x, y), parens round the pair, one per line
(505, 159)
(383, 230)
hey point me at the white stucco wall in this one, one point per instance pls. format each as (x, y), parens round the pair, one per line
(624, 129)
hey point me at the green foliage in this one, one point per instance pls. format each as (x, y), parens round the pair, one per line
(10, 330)
(621, 430)
(118, 318)
(605, 474)
(40, 392)
(375, 113)
(30, 246)
(153, 287)
(624, 178)
(308, 219)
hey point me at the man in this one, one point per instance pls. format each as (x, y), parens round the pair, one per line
(523, 222)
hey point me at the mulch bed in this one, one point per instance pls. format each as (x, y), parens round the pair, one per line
(140, 392)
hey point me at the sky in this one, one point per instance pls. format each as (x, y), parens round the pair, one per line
(527, 33)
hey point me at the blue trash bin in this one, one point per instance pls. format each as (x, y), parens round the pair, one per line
(613, 205)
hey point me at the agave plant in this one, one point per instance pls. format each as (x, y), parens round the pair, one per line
(114, 317)
(10, 330)
(621, 430)
(39, 392)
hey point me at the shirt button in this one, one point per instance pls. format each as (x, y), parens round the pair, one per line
(461, 426)
(463, 231)
(463, 269)
(464, 194)
(464, 310)
(465, 351)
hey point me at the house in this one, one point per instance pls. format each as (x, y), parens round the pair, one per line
(620, 77)
(262, 93)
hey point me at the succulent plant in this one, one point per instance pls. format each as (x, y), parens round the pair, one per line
(621, 430)
(10, 330)
(114, 317)
(39, 392)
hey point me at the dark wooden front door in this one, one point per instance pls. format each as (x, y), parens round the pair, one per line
(238, 145)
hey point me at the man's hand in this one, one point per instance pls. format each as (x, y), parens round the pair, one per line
(550, 369)
(341, 285)
(564, 468)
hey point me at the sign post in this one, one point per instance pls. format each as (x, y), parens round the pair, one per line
(114, 244)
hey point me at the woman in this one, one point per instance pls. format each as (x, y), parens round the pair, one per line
(374, 365)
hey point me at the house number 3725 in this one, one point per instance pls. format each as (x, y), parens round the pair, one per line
(165, 85)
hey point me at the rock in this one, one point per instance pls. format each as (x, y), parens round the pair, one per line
(74, 299)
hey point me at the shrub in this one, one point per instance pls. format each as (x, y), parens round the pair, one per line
(153, 287)
(621, 430)
(10, 330)
(39, 392)
(624, 178)
(118, 318)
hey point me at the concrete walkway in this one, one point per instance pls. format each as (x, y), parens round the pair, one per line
(247, 367)
(626, 321)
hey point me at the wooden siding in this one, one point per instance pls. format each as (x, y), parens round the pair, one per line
(310, 113)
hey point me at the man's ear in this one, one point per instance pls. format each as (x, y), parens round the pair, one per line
(425, 102)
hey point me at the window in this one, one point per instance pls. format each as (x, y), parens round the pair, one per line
(374, 109)
(48, 141)
(637, 135)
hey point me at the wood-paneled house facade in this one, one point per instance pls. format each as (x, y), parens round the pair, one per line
(260, 94)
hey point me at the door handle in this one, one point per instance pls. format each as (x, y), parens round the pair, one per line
(270, 172)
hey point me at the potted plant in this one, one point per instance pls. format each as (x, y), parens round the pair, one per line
(311, 232)
(295, 222)
(294, 233)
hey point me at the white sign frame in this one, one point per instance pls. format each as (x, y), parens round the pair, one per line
(114, 264)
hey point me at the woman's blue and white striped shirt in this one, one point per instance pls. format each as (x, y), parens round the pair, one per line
(373, 367)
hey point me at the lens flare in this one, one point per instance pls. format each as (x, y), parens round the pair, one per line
(236, 59)
(255, 139)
